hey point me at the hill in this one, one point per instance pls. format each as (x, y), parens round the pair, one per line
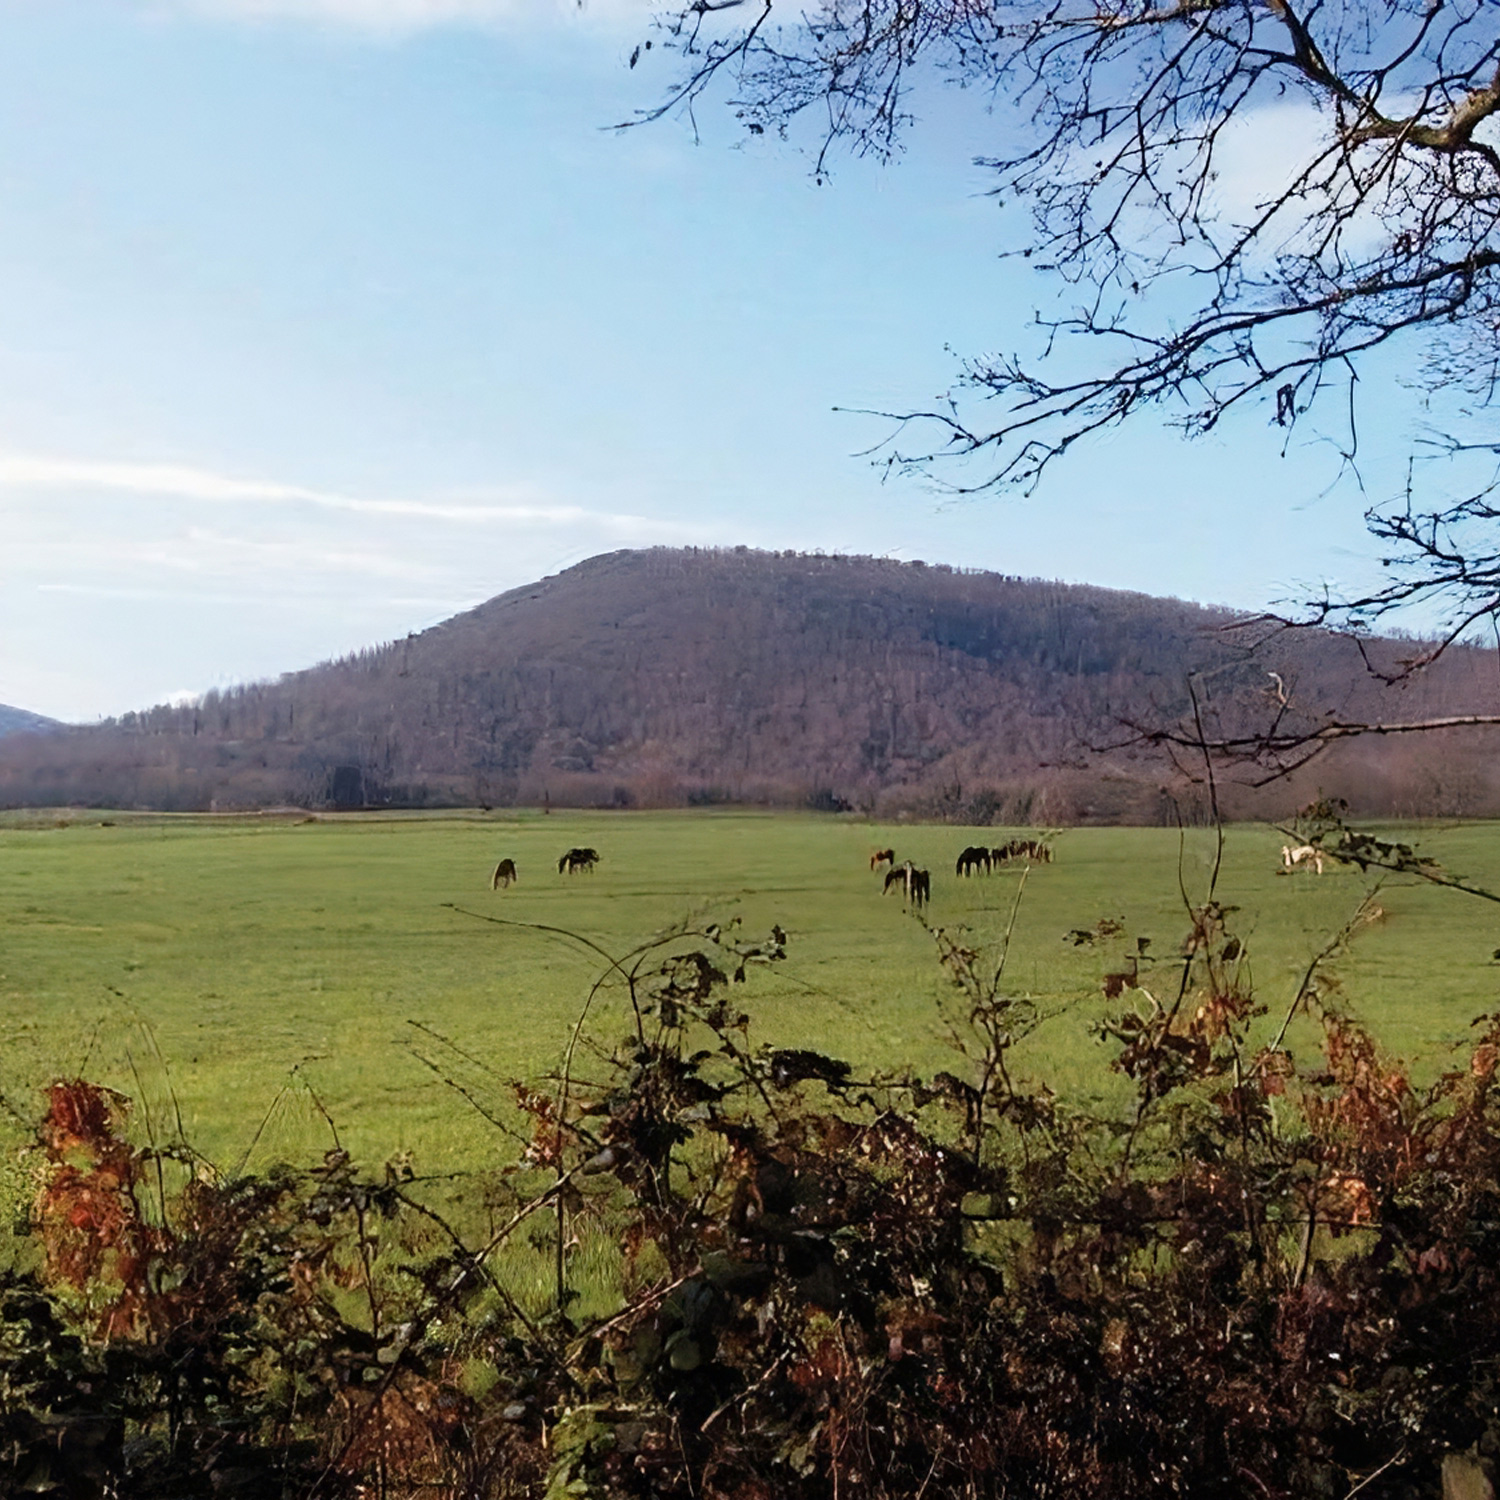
(20, 720)
(668, 677)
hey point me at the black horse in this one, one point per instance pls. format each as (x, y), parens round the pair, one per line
(975, 857)
(915, 884)
(577, 859)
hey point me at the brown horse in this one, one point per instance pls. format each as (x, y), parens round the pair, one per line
(1036, 850)
(883, 857)
(505, 872)
(916, 885)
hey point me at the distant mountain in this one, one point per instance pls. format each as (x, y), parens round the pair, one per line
(668, 677)
(15, 720)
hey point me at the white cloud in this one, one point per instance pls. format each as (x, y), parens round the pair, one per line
(1258, 157)
(31, 472)
(206, 554)
(1259, 153)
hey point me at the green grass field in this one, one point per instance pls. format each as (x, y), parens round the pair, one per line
(237, 956)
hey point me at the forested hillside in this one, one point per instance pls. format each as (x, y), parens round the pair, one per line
(15, 720)
(661, 677)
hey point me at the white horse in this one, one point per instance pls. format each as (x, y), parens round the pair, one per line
(1303, 854)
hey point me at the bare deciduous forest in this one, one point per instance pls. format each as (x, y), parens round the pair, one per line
(667, 678)
(18, 720)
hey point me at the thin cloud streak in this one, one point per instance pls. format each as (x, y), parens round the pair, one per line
(20, 471)
(206, 555)
(240, 600)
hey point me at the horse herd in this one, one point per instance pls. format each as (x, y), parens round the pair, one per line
(916, 885)
(976, 857)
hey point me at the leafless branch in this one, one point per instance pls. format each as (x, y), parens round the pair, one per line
(1119, 118)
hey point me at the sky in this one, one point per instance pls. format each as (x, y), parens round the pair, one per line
(321, 320)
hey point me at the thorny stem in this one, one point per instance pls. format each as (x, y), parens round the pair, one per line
(1213, 791)
(635, 959)
(473, 1262)
(996, 1043)
(1339, 941)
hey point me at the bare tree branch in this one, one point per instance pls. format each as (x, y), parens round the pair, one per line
(1384, 230)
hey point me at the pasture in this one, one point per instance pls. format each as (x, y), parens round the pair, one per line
(255, 961)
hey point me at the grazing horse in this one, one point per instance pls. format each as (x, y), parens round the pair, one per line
(505, 872)
(1035, 850)
(975, 857)
(1303, 854)
(915, 884)
(880, 857)
(578, 859)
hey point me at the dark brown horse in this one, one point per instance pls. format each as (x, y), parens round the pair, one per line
(578, 859)
(915, 884)
(883, 857)
(505, 872)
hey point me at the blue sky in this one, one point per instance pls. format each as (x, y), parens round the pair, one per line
(323, 319)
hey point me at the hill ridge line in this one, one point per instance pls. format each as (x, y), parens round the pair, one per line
(676, 676)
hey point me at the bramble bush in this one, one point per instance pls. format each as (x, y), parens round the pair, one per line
(1275, 1273)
